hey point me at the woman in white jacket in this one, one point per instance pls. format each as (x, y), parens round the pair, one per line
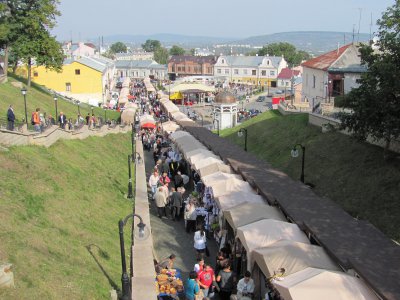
(200, 241)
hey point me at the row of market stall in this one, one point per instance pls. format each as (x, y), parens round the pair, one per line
(279, 255)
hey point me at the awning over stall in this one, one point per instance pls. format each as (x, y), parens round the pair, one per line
(169, 126)
(265, 232)
(206, 161)
(188, 143)
(293, 257)
(317, 284)
(213, 168)
(246, 213)
(178, 134)
(198, 154)
(235, 198)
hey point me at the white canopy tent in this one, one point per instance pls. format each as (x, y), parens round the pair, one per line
(177, 134)
(169, 106)
(214, 168)
(235, 198)
(192, 156)
(214, 179)
(170, 126)
(188, 143)
(181, 87)
(229, 186)
(264, 233)
(317, 284)
(293, 257)
(247, 213)
(128, 115)
(202, 161)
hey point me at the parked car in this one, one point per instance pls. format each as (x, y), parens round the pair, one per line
(261, 98)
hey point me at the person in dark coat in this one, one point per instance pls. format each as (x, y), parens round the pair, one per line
(176, 201)
(62, 120)
(10, 118)
(178, 180)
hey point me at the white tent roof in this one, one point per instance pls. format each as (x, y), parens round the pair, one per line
(198, 154)
(317, 284)
(293, 257)
(247, 213)
(213, 168)
(169, 106)
(178, 134)
(230, 185)
(191, 86)
(169, 126)
(188, 143)
(237, 197)
(265, 232)
(202, 162)
(146, 119)
(212, 179)
(128, 115)
(177, 115)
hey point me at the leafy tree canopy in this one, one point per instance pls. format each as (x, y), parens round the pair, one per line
(176, 50)
(289, 52)
(161, 55)
(118, 47)
(151, 45)
(375, 104)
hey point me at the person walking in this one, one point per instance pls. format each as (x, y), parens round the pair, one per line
(190, 216)
(227, 280)
(245, 288)
(153, 180)
(161, 201)
(192, 288)
(205, 279)
(176, 203)
(200, 241)
(35, 120)
(10, 118)
(62, 120)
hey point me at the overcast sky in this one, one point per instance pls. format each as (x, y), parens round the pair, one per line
(89, 19)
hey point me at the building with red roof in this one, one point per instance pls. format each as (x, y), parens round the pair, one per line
(286, 76)
(332, 74)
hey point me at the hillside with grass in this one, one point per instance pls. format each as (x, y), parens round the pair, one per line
(59, 212)
(37, 97)
(351, 173)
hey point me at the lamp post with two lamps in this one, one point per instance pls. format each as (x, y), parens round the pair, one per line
(23, 91)
(295, 153)
(141, 232)
(240, 134)
(216, 120)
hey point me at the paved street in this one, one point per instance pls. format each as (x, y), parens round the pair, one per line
(171, 237)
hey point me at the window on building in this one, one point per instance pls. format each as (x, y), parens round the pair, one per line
(253, 72)
(272, 73)
(287, 83)
(68, 86)
(77, 72)
(236, 71)
(223, 61)
(226, 71)
(313, 81)
(35, 74)
(267, 62)
(218, 71)
(263, 73)
(245, 71)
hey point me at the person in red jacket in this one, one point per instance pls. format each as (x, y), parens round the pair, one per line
(205, 279)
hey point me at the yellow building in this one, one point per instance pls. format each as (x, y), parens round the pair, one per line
(82, 78)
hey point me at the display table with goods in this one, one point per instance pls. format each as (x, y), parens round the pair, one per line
(169, 284)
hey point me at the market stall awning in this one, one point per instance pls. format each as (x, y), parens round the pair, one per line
(176, 96)
(214, 168)
(188, 143)
(264, 233)
(192, 155)
(226, 184)
(198, 87)
(128, 115)
(238, 197)
(317, 284)
(206, 161)
(169, 126)
(178, 134)
(247, 213)
(293, 257)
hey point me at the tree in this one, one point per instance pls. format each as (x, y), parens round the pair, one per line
(176, 50)
(161, 55)
(289, 52)
(375, 104)
(151, 45)
(118, 47)
(28, 37)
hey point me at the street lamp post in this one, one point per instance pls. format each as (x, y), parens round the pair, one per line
(240, 134)
(105, 116)
(137, 158)
(295, 153)
(130, 192)
(55, 105)
(23, 91)
(133, 140)
(141, 234)
(216, 120)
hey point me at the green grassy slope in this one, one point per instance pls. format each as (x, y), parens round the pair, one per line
(37, 98)
(351, 173)
(53, 204)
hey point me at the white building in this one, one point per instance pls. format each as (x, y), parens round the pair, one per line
(224, 111)
(140, 69)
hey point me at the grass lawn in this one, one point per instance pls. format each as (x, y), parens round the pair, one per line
(35, 97)
(350, 173)
(56, 204)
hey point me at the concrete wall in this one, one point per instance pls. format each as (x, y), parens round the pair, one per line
(143, 285)
(48, 138)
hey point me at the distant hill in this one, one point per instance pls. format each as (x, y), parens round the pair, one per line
(310, 41)
(315, 42)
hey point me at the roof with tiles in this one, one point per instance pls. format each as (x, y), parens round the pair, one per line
(96, 63)
(192, 58)
(129, 64)
(287, 73)
(326, 60)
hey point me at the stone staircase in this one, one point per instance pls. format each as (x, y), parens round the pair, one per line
(52, 135)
